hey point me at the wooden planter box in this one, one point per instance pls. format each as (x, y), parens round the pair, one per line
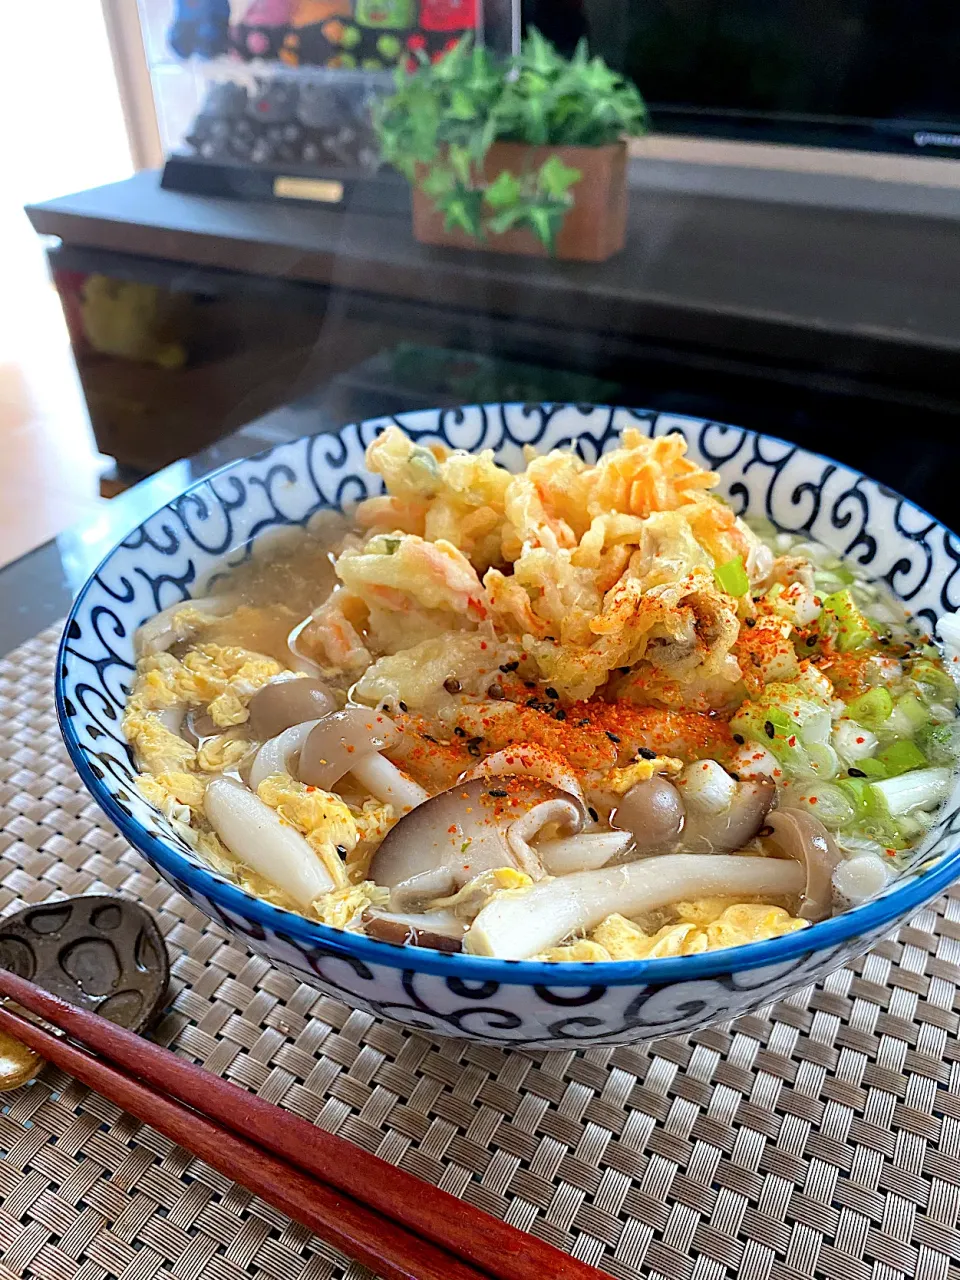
(594, 228)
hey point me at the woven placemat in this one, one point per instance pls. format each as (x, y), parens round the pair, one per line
(818, 1138)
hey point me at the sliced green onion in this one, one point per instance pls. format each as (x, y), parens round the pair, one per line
(941, 742)
(872, 814)
(872, 768)
(771, 727)
(821, 761)
(871, 708)
(809, 714)
(900, 757)
(921, 789)
(732, 577)
(853, 741)
(827, 803)
(934, 682)
(843, 619)
(913, 710)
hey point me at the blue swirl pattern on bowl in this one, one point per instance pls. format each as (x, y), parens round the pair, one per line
(222, 520)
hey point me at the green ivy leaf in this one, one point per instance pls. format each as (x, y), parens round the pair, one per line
(504, 191)
(463, 209)
(545, 223)
(438, 182)
(460, 159)
(507, 218)
(556, 178)
(462, 106)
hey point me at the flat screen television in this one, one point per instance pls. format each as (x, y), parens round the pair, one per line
(882, 75)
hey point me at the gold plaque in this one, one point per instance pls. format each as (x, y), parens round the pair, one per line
(323, 190)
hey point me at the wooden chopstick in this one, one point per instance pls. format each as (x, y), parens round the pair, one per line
(380, 1244)
(454, 1225)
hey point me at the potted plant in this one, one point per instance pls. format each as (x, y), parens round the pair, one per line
(519, 155)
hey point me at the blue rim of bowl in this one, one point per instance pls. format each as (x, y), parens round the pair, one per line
(871, 918)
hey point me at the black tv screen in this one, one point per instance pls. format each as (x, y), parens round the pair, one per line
(878, 74)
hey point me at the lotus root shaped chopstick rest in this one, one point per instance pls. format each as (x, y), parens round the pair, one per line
(103, 954)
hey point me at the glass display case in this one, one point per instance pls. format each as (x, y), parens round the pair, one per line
(258, 97)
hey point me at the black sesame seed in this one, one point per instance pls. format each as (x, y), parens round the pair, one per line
(509, 666)
(342, 850)
(473, 750)
(429, 737)
(884, 639)
(461, 733)
(551, 692)
(811, 641)
(528, 684)
(768, 729)
(402, 706)
(612, 736)
(595, 817)
(583, 722)
(856, 773)
(495, 692)
(646, 754)
(452, 685)
(738, 738)
(750, 622)
(501, 795)
(561, 715)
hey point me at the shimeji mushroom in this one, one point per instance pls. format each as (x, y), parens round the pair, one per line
(528, 760)
(287, 701)
(706, 810)
(652, 812)
(179, 622)
(722, 814)
(298, 660)
(516, 926)
(350, 741)
(255, 835)
(801, 836)
(581, 852)
(441, 930)
(279, 754)
(480, 825)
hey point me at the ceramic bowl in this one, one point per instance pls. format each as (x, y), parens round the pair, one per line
(234, 513)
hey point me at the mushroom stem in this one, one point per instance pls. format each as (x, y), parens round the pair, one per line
(561, 812)
(799, 835)
(730, 828)
(254, 834)
(517, 926)
(585, 852)
(276, 756)
(528, 760)
(385, 781)
(165, 629)
(440, 930)
(172, 717)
